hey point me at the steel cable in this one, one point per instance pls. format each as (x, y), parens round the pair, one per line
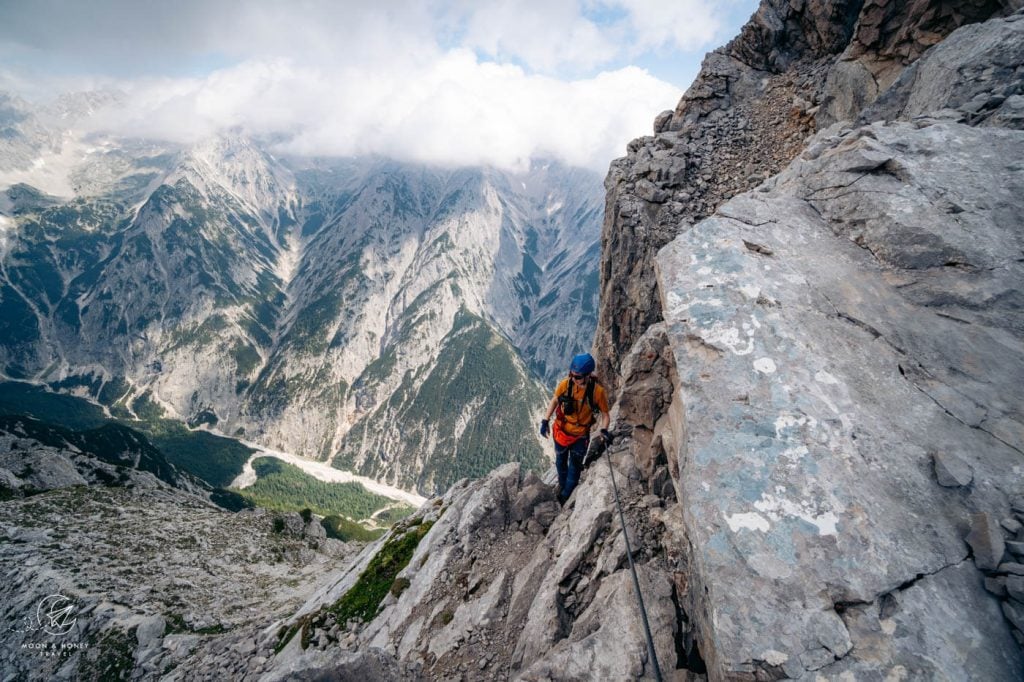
(636, 581)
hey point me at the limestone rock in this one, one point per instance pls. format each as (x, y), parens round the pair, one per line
(164, 578)
(835, 56)
(610, 644)
(815, 381)
(1014, 613)
(954, 640)
(951, 471)
(1015, 587)
(996, 585)
(986, 540)
(987, 57)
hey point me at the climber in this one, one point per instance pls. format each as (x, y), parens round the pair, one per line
(576, 400)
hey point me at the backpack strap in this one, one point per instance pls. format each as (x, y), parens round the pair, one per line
(589, 397)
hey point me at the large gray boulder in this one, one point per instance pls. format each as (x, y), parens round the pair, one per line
(832, 331)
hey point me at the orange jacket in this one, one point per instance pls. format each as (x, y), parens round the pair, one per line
(568, 428)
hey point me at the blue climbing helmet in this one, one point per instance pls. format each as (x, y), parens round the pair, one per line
(582, 364)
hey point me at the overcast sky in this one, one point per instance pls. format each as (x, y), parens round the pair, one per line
(458, 82)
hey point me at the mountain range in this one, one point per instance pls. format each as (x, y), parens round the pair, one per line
(397, 319)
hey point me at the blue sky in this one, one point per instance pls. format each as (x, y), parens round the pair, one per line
(463, 81)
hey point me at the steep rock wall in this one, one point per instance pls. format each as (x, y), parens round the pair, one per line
(795, 67)
(846, 427)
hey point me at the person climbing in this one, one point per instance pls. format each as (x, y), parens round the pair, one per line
(579, 402)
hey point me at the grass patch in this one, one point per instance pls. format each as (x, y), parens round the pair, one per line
(211, 630)
(285, 634)
(285, 487)
(174, 624)
(392, 516)
(347, 530)
(363, 600)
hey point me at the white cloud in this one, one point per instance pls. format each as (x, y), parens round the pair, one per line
(447, 81)
(543, 34)
(453, 110)
(550, 35)
(680, 24)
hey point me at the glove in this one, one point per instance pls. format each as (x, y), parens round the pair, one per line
(544, 428)
(607, 436)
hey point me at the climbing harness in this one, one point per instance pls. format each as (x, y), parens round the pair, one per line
(636, 582)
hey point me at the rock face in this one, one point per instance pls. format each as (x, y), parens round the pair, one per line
(842, 335)
(36, 457)
(795, 67)
(507, 585)
(846, 338)
(819, 423)
(831, 331)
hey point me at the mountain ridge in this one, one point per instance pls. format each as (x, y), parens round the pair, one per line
(305, 276)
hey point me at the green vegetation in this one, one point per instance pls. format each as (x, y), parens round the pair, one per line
(399, 586)
(363, 599)
(246, 358)
(174, 623)
(88, 381)
(109, 656)
(111, 443)
(346, 530)
(307, 333)
(199, 336)
(393, 515)
(18, 324)
(17, 398)
(285, 487)
(203, 418)
(113, 390)
(230, 500)
(146, 408)
(214, 459)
